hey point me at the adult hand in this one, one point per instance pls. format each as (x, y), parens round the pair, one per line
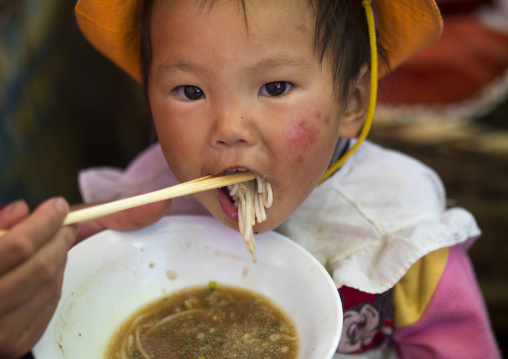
(33, 254)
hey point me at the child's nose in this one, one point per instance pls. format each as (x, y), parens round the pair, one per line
(233, 126)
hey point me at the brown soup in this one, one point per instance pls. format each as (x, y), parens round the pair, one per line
(206, 323)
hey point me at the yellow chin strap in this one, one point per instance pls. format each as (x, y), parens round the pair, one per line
(373, 91)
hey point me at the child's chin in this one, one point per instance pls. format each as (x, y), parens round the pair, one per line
(257, 229)
(264, 227)
(268, 225)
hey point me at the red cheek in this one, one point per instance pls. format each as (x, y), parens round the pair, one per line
(300, 136)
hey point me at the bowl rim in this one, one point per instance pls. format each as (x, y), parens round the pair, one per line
(178, 223)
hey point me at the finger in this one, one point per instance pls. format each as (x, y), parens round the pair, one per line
(135, 218)
(25, 238)
(21, 328)
(128, 220)
(19, 285)
(13, 213)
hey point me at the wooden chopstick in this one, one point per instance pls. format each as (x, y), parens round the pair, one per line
(182, 189)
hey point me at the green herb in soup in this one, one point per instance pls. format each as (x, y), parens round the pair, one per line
(213, 322)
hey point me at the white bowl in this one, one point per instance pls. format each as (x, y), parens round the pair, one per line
(112, 274)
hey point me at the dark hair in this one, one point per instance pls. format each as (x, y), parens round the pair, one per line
(341, 37)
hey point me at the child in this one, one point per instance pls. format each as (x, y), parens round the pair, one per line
(282, 88)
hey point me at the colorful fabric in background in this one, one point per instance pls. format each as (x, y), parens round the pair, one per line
(461, 77)
(63, 106)
(37, 139)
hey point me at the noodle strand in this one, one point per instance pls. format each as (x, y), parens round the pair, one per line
(251, 198)
(139, 346)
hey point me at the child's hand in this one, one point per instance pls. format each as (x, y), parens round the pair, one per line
(33, 254)
(128, 220)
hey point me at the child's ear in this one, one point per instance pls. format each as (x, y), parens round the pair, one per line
(356, 106)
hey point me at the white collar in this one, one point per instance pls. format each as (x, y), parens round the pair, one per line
(375, 217)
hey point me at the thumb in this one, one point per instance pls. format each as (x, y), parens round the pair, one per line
(129, 220)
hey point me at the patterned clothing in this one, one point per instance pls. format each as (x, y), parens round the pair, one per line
(368, 320)
(434, 311)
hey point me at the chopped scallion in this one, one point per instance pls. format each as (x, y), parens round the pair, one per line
(211, 287)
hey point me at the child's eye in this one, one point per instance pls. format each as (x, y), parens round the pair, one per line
(278, 88)
(188, 92)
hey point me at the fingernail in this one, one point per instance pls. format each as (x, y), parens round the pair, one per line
(62, 205)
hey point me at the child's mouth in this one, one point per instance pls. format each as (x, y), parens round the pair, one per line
(227, 203)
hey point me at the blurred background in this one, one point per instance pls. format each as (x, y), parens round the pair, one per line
(64, 107)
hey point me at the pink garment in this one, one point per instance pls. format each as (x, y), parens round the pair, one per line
(455, 324)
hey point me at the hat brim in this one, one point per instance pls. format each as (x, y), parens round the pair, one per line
(111, 26)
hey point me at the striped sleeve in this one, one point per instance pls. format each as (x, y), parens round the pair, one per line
(439, 310)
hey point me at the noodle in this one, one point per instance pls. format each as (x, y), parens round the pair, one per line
(225, 323)
(139, 346)
(251, 198)
(130, 340)
(172, 317)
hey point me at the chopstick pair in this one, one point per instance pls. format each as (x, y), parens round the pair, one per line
(182, 189)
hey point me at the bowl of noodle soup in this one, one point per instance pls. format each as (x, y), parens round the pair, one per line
(113, 274)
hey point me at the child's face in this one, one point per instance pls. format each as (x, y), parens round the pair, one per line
(227, 94)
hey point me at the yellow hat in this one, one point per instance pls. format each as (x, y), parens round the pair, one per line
(111, 26)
